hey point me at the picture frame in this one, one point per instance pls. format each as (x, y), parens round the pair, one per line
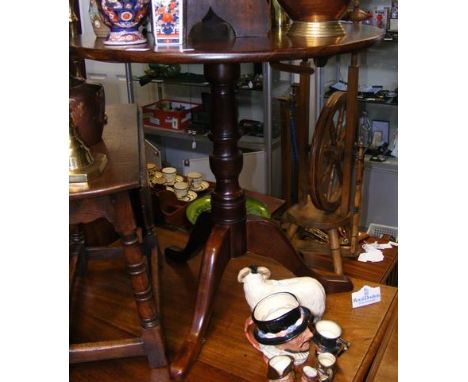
(382, 128)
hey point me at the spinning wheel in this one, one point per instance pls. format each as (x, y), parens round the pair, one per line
(325, 209)
(327, 154)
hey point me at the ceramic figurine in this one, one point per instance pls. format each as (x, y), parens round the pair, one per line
(257, 285)
(124, 16)
(310, 374)
(279, 325)
(101, 29)
(281, 369)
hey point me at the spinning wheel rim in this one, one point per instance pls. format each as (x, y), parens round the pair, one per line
(327, 153)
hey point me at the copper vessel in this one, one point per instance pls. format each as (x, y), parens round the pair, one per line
(87, 109)
(315, 18)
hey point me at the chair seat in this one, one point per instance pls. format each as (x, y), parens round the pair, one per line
(308, 216)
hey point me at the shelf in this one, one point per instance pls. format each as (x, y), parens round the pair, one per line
(391, 164)
(175, 81)
(245, 142)
(386, 103)
(181, 82)
(365, 101)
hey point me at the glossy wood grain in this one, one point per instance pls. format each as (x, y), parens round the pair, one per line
(379, 272)
(275, 47)
(106, 311)
(228, 201)
(385, 365)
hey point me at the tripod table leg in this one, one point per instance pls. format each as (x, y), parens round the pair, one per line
(214, 261)
(197, 239)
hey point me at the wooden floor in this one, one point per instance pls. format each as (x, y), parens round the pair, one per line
(102, 308)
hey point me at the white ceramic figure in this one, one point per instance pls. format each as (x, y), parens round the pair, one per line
(257, 285)
(279, 326)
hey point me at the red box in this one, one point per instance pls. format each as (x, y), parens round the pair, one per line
(169, 114)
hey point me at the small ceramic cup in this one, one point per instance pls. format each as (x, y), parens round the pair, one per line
(326, 366)
(169, 174)
(309, 374)
(327, 337)
(194, 180)
(151, 168)
(181, 189)
(281, 369)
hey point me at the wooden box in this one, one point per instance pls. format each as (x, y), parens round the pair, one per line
(249, 18)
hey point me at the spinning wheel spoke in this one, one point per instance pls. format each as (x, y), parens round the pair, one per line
(341, 119)
(334, 184)
(333, 133)
(331, 184)
(325, 171)
(339, 172)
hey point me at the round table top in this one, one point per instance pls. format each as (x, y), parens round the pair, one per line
(275, 47)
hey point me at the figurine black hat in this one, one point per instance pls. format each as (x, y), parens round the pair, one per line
(279, 318)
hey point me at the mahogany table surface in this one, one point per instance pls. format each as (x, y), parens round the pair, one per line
(120, 142)
(274, 47)
(104, 310)
(385, 366)
(377, 272)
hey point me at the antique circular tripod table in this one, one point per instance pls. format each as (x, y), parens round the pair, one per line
(232, 232)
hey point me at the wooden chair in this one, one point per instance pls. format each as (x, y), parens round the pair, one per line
(110, 196)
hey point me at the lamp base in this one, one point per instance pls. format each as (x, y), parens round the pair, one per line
(316, 29)
(87, 173)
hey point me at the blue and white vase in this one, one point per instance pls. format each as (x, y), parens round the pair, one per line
(125, 17)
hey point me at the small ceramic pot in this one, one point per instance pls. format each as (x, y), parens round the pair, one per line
(327, 337)
(194, 180)
(169, 174)
(326, 366)
(310, 374)
(281, 369)
(181, 189)
(125, 17)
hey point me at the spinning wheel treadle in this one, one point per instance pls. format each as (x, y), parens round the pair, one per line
(327, 154)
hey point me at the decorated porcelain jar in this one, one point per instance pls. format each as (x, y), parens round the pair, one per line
(124, 16)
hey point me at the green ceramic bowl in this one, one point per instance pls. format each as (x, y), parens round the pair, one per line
(199, 205)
